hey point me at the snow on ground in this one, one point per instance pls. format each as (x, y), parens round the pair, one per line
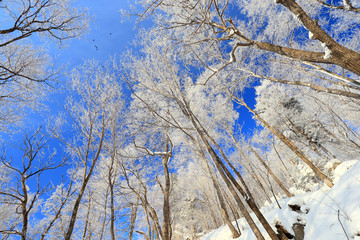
(330, 214)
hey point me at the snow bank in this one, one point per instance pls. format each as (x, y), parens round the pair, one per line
(331, 214)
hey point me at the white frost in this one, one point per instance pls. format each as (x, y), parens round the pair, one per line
(311, 35)
(346, 5)
(327, 54)
(297, 18)
(231, 58)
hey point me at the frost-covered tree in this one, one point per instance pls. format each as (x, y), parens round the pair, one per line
(264, 27)
(308, 119)
(22, 188)
(25, 65)
(285, 107)
(197, 210)
(172, 96)
(266, 41)
(92, 107)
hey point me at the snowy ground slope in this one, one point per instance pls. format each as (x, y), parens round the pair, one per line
(330, 214)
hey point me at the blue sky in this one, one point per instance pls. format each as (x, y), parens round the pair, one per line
(108, 35)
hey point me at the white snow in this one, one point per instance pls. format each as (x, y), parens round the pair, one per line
(327, 54)
(346, 5)
(311, 35)
(329, 213)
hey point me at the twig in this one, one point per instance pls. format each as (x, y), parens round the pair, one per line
(342, 225)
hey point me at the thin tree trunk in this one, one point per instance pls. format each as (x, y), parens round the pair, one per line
(166, 226)
(246, 194)
(296, 150)
(242, 208)
(235, 233)
(249, 200)
(282, 186)
(87, 218)
(253, 174)
(282, 162)
(231, 205)
(105, 215)
(86, 179)
(233, 211)
(111, 180)
(75, 210)
(112, 211)
(257, 180)
(134, 209)
(24, 211)
(228, 179)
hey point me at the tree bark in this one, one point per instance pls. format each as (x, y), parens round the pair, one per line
(340, 55)
(24, 210)
(246, 194)
(241, 206)
(229, 179)
(166, 225)
(134, 208)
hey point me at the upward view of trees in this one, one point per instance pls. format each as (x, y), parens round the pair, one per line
(153, 144)
(24, 63)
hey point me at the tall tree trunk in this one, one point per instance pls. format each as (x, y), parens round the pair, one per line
(134, 208)
(87, 218)
(253, 174)
(241, 206)
(103, 225)
(258, 181)
(282, 186)
(76, 209)
(230, 180)
(112, 210)
(295, 149)
(24, 210)
(166, 226)
(86, 178)
(235, 233)
(246, 194)
(233, 210)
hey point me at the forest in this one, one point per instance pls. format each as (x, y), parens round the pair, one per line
(219, 109)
